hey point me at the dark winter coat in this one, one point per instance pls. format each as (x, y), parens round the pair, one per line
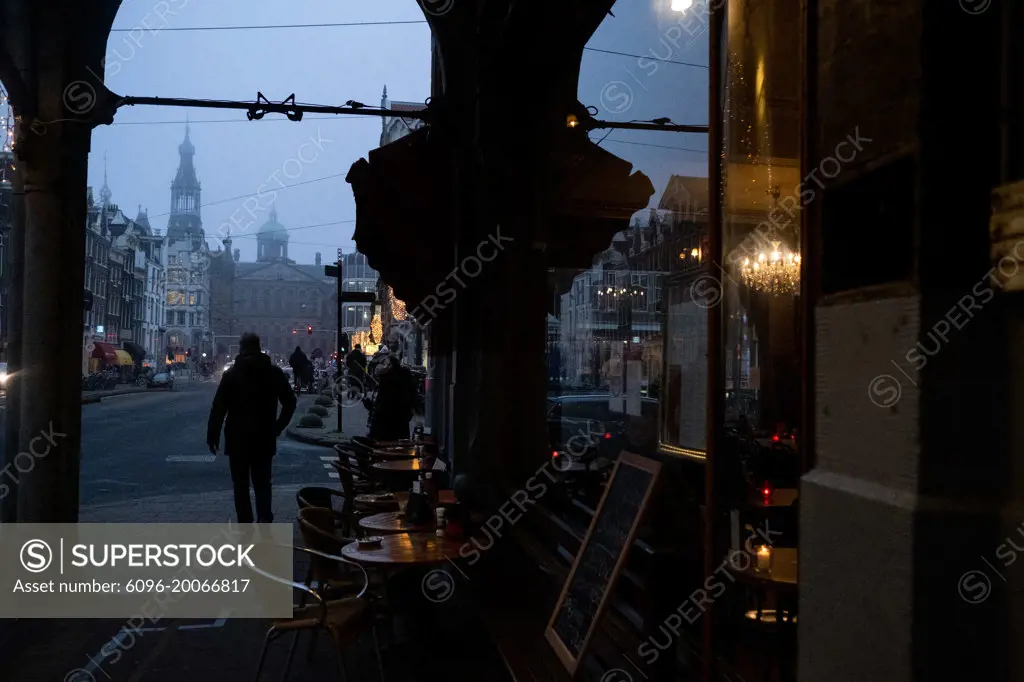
(299, 361)
(356, 363)
(396, 400)
(248, 396)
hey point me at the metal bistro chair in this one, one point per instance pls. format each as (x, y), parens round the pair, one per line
(357, 510)
(325, 498)
(361, 467)
(332, 579)
(345, 619)
(322, 501)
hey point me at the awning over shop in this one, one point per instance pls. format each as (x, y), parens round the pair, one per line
(137, 352)
(123, 358)
(391, 241)
(105, 352)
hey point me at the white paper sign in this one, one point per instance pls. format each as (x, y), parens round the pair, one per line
(634, 375)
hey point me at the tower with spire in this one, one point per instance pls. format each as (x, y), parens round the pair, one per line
(105, 193)
(185, 221)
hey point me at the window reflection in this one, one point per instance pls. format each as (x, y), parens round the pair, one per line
(761, 164)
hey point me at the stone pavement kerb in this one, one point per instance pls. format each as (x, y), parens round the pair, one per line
(353, 424)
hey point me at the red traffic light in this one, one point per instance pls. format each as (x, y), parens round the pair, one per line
(295, 331)
(309, 330)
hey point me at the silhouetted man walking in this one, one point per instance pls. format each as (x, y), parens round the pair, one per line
(248, 396)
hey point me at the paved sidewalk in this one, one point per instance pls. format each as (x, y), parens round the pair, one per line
(96, 396)
(353, 424)
(353, 417)
(170, 650)
(207, 507)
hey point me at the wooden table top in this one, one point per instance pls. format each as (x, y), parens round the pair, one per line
(393, 522)
(405, 549)
(782, 574)
(403, 465)
(393, 443)
(394, 453)
(370, 501)
(445, 498)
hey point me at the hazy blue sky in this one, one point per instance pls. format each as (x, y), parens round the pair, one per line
(330, 65)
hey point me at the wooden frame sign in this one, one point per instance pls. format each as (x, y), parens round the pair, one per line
(601, 558)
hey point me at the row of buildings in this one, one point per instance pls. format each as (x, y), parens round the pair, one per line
(618, 304)
(146, 291)
(162, 296)
(157, 296)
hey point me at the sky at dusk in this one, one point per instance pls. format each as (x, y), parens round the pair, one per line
(329, 65)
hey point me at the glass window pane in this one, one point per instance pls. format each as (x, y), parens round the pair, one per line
(761, 240)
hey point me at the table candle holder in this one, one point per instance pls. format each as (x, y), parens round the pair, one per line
(764, 559)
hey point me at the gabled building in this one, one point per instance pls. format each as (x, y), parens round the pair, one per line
(394, 128)
(150, 261)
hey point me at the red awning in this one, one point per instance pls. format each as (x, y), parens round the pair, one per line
(105, 352)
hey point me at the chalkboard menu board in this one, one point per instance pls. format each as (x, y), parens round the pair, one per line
(601, 557)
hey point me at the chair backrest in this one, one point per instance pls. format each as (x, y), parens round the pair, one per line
(317, 528)
(314, 496)
(346, 454)
(348, 483)
(363, 442)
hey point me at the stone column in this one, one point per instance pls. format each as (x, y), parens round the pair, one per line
(54, 170)
(62, 101)
(905, 567)
(11, 412)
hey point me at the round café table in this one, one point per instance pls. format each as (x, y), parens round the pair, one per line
(389, 523)
(390, 454)
(403, 466)
(405, 549)
(393, 443)
(373, 502)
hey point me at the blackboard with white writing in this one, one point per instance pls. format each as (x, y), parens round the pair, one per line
(601, 557)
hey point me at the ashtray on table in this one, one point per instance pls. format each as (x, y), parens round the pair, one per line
(372, 541)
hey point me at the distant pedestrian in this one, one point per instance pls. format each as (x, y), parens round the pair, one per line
(299, 363)
(356, 362)
(247, 397)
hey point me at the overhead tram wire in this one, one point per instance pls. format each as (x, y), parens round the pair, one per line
(186, 29)
(292, 229)
(242, 120)
(275, 26)
(342, 118)
(253, 195)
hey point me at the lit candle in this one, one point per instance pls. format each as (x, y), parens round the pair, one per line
(764, 558)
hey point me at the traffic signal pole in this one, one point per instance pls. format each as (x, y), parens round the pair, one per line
(353, 297)
(337, 343)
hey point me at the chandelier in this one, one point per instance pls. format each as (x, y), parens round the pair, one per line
(774, 271)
